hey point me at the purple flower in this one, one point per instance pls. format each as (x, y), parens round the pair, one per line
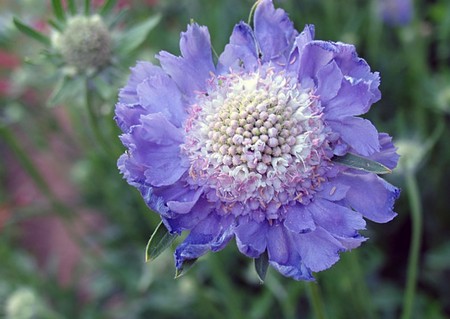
(245, 148)
(396, 12)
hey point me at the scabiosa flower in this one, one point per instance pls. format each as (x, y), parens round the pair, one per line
(396, 12)
(244, 149)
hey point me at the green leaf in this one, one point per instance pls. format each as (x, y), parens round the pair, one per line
(56, 24)
(134, 37)
(72, 7)
(159, 241)
(58, 10)
(32, 33)
(361, 163)
(187, 264)
(67, 89)
(107, 7)
(261, 265)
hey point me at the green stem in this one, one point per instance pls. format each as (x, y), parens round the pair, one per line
(414, 250)
(315, 300)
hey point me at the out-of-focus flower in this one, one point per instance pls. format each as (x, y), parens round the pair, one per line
(85, 43)
(246, 148)
(396, 12)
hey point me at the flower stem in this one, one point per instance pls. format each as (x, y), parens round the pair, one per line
(416, 238)
(315, 300)
(252, 10)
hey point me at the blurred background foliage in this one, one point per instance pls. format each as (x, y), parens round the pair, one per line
(73, 233)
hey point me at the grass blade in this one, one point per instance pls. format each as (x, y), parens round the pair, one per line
(32, 33)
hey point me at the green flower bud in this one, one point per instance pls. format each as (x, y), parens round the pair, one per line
(85, 43)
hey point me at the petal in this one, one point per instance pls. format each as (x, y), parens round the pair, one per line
(283, 255)
(329, 82)
(319, 249)
(241, 52)
(184, 205)
(299, 219)
(358, 133)
(316, 55)
(191, 71)
(153, 148)
(336, 219)
(274, 31)
(333, 191)
(212, 233)
(176, 223)
(251, 236)
(352, 99)
(139, 73)
(388, 153)
(306, 36)
(370, 195)
(128, 115)
(159, 94)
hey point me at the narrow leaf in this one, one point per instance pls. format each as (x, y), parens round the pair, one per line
(72, 7)
(66, 91)
(107, 7)
(58, 10)
(56, 24)
(261, 265)
(159, 241)
(187, 264)
(361, 163)
(133, 38)
(31, 32)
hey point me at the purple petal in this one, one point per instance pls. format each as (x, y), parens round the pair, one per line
(388, 153)
(141, 72)
(191, 71)
(153, 147)
(352, 99)
(128, 115)
(283, 255)
(241, 52)
(319, 249)
(336, 219)
(299, 219)
(333, 191)
(306, 36)
(274, 31)
(211, 234)
(370, 195)
(251, 236)
(184, 205)
(316, 55)
(358, 133)
(176, 223)
(329, 82)
(159, 94)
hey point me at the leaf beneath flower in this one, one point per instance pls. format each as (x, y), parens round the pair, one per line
(159, 241)
(261, 265)
(187, 264)
(361, 163)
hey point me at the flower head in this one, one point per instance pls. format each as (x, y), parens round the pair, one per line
(245, 148)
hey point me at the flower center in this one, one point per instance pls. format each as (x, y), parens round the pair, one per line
(257, 140)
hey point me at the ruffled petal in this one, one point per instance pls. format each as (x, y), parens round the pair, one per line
(306, 36)
(283, 255)
(299, 219)
(251, 236)
(370, 195)
(128, 115)
(241, 53)
(191, 71)
(141, 72)
(358, 133)
(333, 191)
(274, 31)
(336, 219)
(177, 223)
(388, 153)
(329, 82)
(352, 99)
(184, 204)
(319, 249)
(159, 94)
(211, 234)
(153, 148)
